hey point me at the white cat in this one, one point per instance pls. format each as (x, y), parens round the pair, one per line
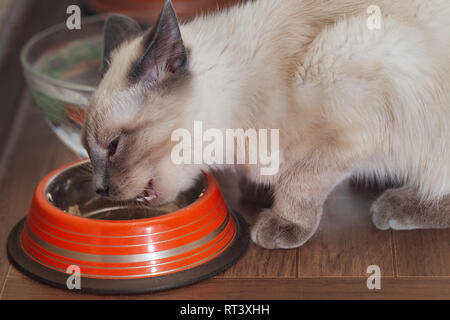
(348, 100)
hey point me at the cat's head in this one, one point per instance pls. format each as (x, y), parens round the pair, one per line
(136, 107)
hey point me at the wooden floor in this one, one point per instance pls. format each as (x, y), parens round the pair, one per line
(333, 264)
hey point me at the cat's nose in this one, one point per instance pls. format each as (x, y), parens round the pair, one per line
(103, 191)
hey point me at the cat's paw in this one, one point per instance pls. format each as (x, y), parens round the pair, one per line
(273, 232)
(388, 212)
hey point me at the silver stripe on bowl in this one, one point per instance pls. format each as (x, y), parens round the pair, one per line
(149, 274)
(127, 258)
(129, 245)
(137, 267)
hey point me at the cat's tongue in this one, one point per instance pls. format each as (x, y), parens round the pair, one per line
(149, 194)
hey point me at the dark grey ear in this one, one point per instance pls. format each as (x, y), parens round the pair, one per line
(117, 28)
(164, 53)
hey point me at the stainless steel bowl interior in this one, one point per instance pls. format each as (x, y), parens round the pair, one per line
(72, 191)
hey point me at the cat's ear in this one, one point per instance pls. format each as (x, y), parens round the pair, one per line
(117, 28)
(164, 51)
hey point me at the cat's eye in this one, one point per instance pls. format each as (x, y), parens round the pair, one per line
(112, 148)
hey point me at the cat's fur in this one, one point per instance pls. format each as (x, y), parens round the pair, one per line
(347, 100)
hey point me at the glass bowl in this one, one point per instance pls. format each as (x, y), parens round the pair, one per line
(61, 68)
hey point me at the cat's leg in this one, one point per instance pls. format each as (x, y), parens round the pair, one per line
(259, 194)
(402, 209)
(299, 196)
(254, 198)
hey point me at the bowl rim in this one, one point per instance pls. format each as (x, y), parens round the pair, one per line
(28, 68)
(181, 214)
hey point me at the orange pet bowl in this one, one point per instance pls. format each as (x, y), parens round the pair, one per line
(124, 247)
